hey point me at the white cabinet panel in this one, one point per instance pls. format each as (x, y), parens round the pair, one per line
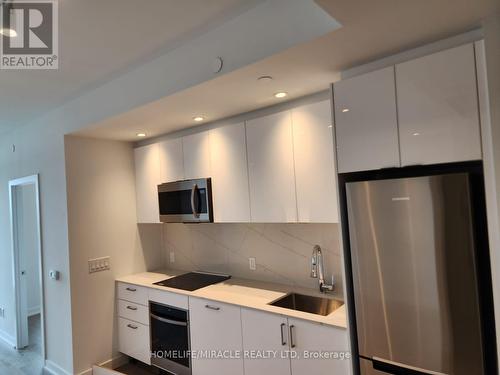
(133, 311)
(132, 293)
(133, 340)
(366, 122)
(265, 333)
(180, 301)
(228, 160)
(171, 160)
(307, 337)
(215, 326)
(196, 151)
(438, 108)
(147, 179)
(271, 169)
(314, 163)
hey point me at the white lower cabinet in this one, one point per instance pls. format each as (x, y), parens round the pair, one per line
(265, 333)
(215, 328)
(134, 340)
(295, 344)
(310, 340)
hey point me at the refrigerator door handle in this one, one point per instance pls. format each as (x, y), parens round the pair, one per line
(396, 368)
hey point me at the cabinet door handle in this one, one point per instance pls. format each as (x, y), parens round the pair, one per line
(133, 308)
(212, 307)
(282, 328)
(292, 341)
(131, 289)
(131, 326)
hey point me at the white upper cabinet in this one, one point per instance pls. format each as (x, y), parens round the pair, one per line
(196, 151)
(366, 122)
(228, 160)
(147, 179)
(271, 168)
(268, 333)
(215, 326)
(438, 108)
(171, 160)
(316, 338)
(314, 163)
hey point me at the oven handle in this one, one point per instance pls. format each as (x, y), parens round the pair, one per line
(193, 206)
(168, 321)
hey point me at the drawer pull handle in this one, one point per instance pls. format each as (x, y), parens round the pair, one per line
(133, 308)
(131, 289)
(131, 326)
(212, 307)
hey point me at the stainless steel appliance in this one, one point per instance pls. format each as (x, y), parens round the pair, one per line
(193, 280)
(170, 338)
(419, 304)
(187, 201)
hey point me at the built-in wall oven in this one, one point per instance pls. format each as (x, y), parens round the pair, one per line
(186, 201)
(170, 338)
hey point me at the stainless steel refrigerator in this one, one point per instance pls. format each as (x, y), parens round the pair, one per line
(414, 275)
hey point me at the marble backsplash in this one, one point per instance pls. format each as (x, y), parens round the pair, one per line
(282, 251)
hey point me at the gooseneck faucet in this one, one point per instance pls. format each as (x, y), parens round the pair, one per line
(318, 270)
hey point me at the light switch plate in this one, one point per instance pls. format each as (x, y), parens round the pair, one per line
(252, 263)
(99, 264)
(172, 257)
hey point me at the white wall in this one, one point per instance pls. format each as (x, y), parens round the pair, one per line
(102, 222)
(39, 150)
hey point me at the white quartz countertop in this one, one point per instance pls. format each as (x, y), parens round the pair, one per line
(241, 292)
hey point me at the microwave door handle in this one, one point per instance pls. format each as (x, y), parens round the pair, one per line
(193, 205)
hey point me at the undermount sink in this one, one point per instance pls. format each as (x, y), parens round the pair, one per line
(309, 304)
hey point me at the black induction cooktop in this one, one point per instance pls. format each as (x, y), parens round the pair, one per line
(193, 280)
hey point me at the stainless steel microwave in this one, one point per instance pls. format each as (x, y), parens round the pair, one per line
(187, 201)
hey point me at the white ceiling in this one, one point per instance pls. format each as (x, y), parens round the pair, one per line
(371, 30)
(100, 39)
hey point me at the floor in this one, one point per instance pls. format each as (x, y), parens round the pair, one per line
(28, 361)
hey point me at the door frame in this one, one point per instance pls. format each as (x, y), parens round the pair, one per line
(21, 337)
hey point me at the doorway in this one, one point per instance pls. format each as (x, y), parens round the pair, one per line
(27, 268)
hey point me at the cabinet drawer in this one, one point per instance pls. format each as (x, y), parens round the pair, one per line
(133, 311)
(133, 293)
(133, 340)
(169, 298)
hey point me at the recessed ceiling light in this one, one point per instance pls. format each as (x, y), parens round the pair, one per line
(345, 110)
(141, 134)
(280, 94)
(198, 118)
(11, 33)
(265, 79)
(416, 133)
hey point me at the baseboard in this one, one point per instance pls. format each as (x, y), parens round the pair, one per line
(112, 363)
(8, 339)
(34, 311)
(52, 368)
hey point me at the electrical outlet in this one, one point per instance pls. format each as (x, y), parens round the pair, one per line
(252, 264)
(99, 264)
(172, 257)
